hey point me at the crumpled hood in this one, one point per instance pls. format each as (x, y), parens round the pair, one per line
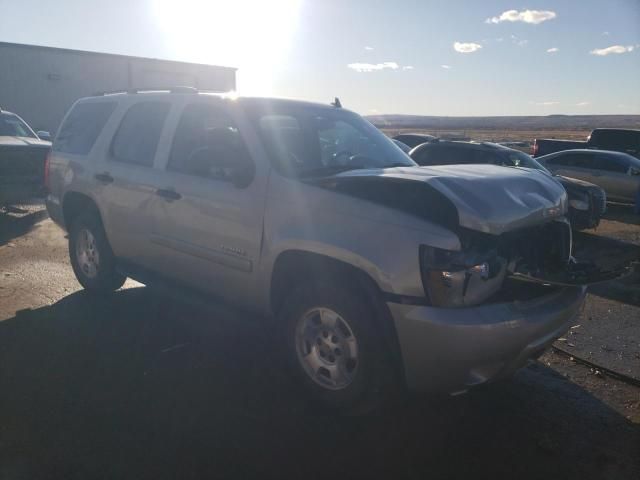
(488, 198)
(23, 142)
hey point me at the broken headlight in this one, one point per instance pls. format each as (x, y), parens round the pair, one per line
(460, 278)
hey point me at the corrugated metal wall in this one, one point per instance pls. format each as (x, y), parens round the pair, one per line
(41, 83)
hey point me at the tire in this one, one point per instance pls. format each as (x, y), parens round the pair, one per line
(364, 383)
(94, 266)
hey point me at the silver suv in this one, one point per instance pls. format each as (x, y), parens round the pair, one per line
(380, 273)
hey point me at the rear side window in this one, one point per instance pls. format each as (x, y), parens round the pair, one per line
(609, 164)
(137, 137)
(82, 126)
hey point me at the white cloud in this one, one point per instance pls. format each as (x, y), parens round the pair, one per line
(606, 34)
(466, 47)
(547, 104)
(368, 48)
(527, 16)
(408, 67)
(518, 41)
(446, 67)
(582, 104)
(373, 67)
(553, 50)
(612, 49)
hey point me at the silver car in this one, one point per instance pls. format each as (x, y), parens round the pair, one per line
(616, 172)
(378, 272)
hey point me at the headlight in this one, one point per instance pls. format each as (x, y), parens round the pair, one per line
(458, 279)
(579, 204)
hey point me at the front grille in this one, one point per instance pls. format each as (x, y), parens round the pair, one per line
(22, 161)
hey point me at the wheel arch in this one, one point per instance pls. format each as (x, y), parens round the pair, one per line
(293, 265)
(74, 203)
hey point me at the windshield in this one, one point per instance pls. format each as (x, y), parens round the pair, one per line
(12, 126)
(520, 159)
(315, 141)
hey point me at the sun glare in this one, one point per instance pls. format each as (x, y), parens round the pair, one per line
(252, 35)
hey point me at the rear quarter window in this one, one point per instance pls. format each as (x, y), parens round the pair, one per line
(82, 126)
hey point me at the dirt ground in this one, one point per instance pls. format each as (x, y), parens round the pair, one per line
(493, 135)
(136, 385)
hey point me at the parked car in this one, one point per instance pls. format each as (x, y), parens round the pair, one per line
(402, 146)
(617, 173)
(22, 159)
(414, 139)
(587, 202)
(377, 271)
(613, 139)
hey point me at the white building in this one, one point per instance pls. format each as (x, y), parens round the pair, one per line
(41, 83)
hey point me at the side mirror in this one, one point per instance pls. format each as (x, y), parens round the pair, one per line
(43, 135)
(634, 171)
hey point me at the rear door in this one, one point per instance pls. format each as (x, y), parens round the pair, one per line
(207, 225)
(126, 177)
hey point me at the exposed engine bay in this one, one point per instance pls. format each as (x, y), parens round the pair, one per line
(507, 239)
(544, 255)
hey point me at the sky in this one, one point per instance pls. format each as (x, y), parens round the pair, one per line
(423, 57)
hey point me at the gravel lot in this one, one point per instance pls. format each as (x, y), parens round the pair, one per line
(139, 386)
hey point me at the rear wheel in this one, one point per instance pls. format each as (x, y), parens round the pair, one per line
(91, 256)
(335, 349)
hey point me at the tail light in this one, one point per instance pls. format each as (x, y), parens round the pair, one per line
(47, 162)
(534, 148)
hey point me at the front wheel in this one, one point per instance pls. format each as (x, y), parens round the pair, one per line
(91, 256)
(335, 349)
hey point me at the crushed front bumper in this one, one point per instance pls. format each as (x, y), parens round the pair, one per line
(453, 349)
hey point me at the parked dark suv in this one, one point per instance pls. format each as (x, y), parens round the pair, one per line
(587, 202)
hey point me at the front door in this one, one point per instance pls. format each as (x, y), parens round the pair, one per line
(207, 219)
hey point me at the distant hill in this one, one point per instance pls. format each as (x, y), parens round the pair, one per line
(550, 122)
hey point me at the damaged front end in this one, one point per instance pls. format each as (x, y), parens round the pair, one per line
(495, 267)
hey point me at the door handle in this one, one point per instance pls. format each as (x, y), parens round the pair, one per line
(104, 178)
(168, 195)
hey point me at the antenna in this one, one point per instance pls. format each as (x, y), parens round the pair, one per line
(336, 103)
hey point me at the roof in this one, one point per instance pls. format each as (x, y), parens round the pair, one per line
(255, 102)
(608, 153)
(111, 55)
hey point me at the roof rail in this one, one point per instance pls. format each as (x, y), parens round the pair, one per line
(174, 89)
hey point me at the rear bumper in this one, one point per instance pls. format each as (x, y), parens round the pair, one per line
(15, 193)
(453, 349)
(54, 208)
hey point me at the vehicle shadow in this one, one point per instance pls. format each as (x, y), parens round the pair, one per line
(613, 255)
(135, 386)
(621, 213)
(14, 226)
